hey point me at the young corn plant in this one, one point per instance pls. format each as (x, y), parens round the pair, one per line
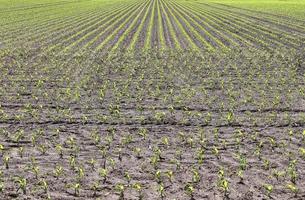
(19, 136)
(182, 137)
(215, 151)
(92, 163)
(138, 187)
(44, 185)
(143, 133)
(80, 173)
(293, 188)
(127, 177)
(266, 164)
(59, 150)
(196, 176)
(6, 160)
(302, 152)
(170, 175)
(165, 141)
(76, 187)
(158, 176)
(1, 149)
(138, 151)
(103, 173)
(200, 156)
(242, 162)
(223, 183)
(278, 174)
(43, 149)
(190, 142)
(154, 160)
(189, 190)
(58, 171)
(22, 184)
(95, 188)
(273, 143)
(1, 187)
(72, 162)
(121, 189)
(268, 189)
(35, 170)
(178, 154)
(160, 117)
(21, 151)
(224, 144)
(230, 117)
(161, 190)
(292, 171)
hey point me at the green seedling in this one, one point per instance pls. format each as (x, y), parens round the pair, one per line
(165, 141)
(1, 187)
(189, 190)
(58, 171)
(240, 174)
(121, 189)
(269, 189)
(161, 190)
(6, 160)
(21, 151)
(22, 184)
(137, 151)
(103, 173)
(128, 177)
(196, 176)
(293, 188)
(215, 151)
(44, 185)
(59, 150)
(302, 152)
(170, 175)
(158, 176)
(138, 187)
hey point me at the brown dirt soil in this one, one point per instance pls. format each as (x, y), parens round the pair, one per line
(207, 119)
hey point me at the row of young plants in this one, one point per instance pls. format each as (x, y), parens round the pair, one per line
(191, 31)
(148, 38)
(267, 33)
(180, 24)
(31, 29)
(275, 31)
(161, 34)
(181, 30)
(120, 28)
(242, 32)
(255, 88)
(268, 18)
(172, 35)
(29, 16)
(234, 38)
(166, 168)
(211, 20)
(203, 29)
(134, 39)
(126, 37)
(96, 31)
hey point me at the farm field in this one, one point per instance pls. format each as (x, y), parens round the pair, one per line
(152, 99)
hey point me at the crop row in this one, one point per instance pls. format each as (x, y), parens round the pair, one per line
(148, 24)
